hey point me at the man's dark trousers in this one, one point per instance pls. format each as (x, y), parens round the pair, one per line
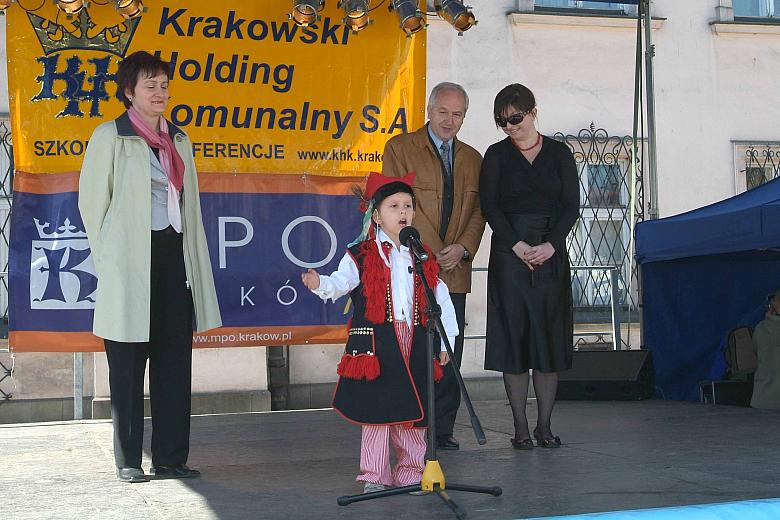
(447, 390)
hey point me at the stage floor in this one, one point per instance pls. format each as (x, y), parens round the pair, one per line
(293, 465)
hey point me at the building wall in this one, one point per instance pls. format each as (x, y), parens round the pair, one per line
(712, 88)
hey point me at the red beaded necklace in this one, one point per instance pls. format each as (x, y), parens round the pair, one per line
(536, 143)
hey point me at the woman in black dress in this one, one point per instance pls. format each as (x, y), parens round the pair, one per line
(530, 197)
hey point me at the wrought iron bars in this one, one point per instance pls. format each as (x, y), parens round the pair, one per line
(5, 373)
(762, 164)
(6, 183)
(611, 202)
(6, 192)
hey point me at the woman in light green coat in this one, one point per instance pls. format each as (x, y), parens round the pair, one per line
(139, 200)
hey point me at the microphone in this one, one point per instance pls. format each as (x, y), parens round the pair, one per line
(410, 237)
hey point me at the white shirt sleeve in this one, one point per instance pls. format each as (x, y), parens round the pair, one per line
(448, 319)
(340, 282)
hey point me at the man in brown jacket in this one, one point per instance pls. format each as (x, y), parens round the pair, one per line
(448, 216)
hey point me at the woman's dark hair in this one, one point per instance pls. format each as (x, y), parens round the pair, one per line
(391, 189)
(513, 96)
(133, 66)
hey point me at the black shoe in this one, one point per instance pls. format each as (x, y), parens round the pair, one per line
(525, 444)
(131, 475)
(546, 442)
(174, 471)
(447, 442)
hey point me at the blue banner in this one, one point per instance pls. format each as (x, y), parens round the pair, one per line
(261, 243)
(262, 234)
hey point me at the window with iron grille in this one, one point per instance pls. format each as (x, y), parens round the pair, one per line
(756, 8)
(611, 201)
(756, 163)
(601, 236)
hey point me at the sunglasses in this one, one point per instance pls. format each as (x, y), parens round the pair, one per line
(514, 119)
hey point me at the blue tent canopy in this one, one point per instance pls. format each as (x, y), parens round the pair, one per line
(704, 273)
(750, 220)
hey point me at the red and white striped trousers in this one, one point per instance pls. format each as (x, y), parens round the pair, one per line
(409, 443)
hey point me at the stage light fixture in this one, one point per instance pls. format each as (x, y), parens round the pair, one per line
(409, 15)
(5, 4)
(456, 14)
(355, 14)
(130, 8)
(70, 7)
(304, 12)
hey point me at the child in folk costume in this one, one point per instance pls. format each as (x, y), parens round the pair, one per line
(383, 372)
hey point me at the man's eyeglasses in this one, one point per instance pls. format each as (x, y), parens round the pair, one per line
(514, 119)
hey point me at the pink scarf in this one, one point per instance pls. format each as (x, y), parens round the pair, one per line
(170, 160)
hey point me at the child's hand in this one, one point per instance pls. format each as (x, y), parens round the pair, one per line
(444, 358)
(311, 279)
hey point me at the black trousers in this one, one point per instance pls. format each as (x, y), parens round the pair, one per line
(169, 352)
(447, 390)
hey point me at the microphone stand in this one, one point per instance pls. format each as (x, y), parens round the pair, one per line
(433, 477)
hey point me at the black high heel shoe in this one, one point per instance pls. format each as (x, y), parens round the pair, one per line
(546, 442)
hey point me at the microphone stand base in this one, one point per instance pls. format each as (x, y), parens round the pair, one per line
(432, 482)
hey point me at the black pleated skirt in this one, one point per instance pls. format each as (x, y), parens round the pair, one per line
(530, 322)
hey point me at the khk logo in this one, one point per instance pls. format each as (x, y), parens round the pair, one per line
(62, 275)
(98, 27)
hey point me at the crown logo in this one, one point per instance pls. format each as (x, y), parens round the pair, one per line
(96, 28)
(65, 231)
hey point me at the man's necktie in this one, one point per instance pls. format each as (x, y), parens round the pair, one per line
(445, 157)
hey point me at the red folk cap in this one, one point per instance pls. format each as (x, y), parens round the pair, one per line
(377, 180)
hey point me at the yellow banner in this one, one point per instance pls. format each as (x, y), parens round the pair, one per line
(255, 92)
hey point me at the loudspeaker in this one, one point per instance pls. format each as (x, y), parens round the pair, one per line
(611, 375)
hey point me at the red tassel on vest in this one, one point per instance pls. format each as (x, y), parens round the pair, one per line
(362, 366)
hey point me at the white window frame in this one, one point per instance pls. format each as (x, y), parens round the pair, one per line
(529, 13)
(580, 4)
(766, 10)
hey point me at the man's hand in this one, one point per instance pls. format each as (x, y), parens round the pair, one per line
(444, 358)
(450, 257)
(538, 255)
